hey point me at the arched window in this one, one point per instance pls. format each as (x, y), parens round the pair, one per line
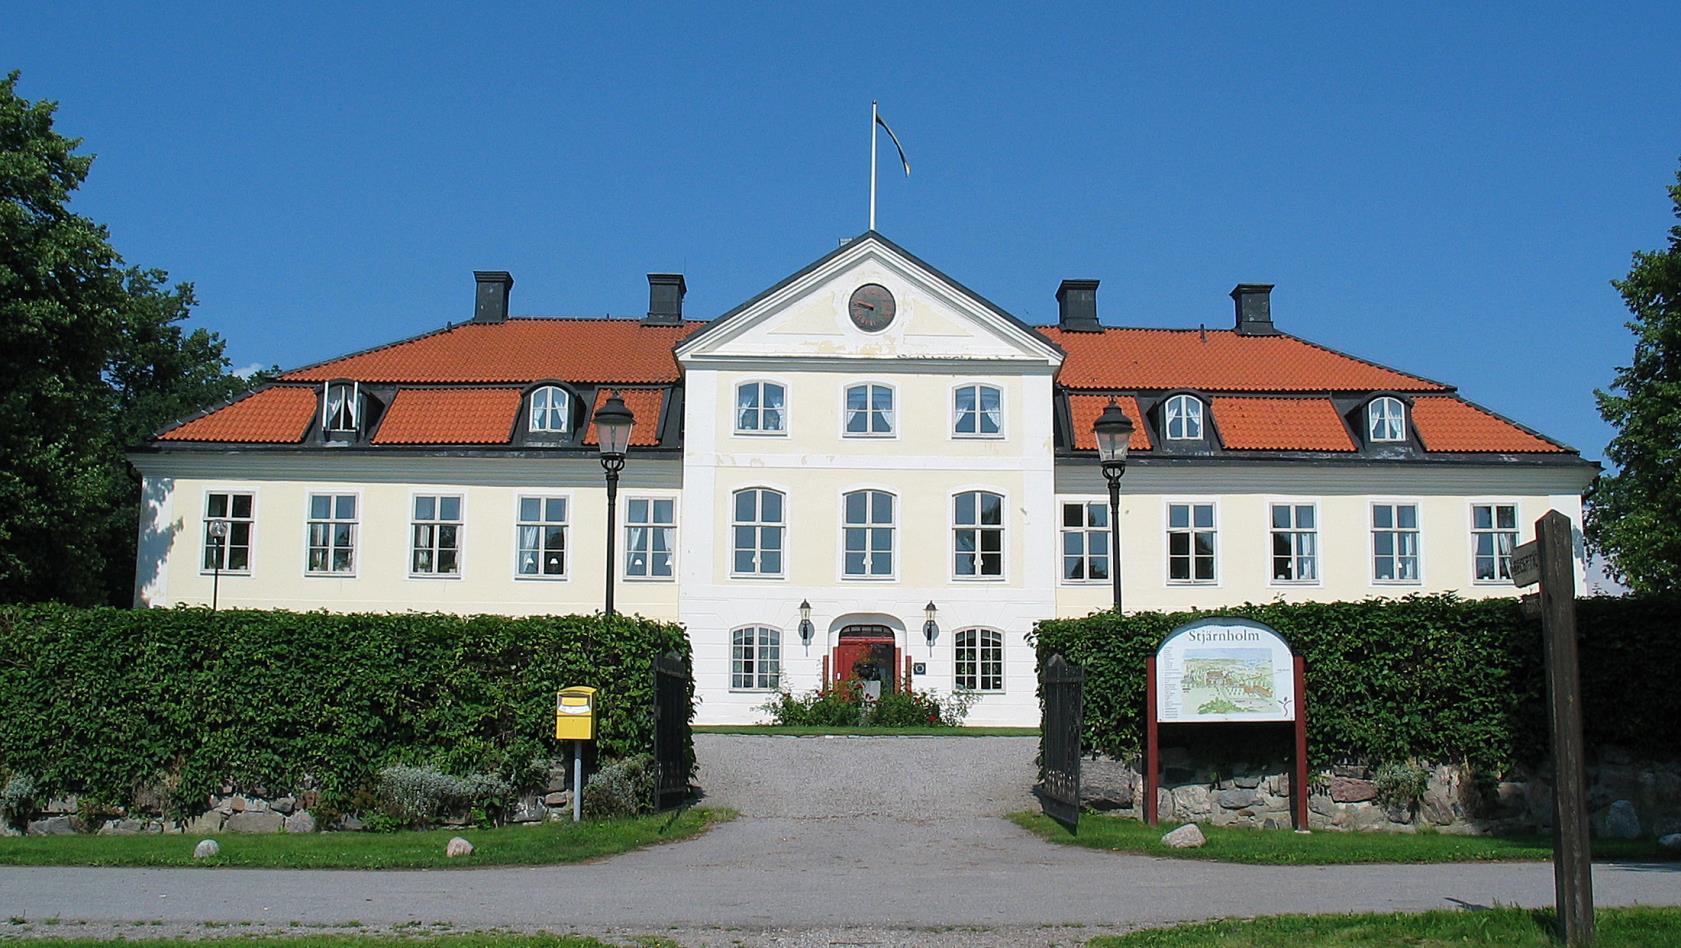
(869, 533)
(978, 534)
(869, 409)
(341, 406)
(1386, 419)
(760, 407)
(757, 530)
(755, 659)
(979, 411)
(1183, 415)
(550, 409)
(980, 660)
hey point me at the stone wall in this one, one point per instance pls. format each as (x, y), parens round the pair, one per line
(1626, 798)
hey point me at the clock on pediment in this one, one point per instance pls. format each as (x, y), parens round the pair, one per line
(871, 307)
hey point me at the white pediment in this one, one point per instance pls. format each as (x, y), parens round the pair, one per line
(806, 317)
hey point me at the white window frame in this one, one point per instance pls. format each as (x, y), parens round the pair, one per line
(1372, 532)
(1062, 531)
(956, 415)
(1394, 422)
(437, 523)
(652, 525)
(735, 409)
(761, 646)
(980, 647)
(250, 523)
(353, 403)
(758, 526)
(355, 531)
(1295, 551)
(1185, 420)
(564, 409)
(869, 386)
(1003, 528)
(870, 528)
(1168, 530)
(1494, 504)
(542, 524)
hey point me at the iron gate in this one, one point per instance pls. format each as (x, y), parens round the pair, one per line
(1062, 687)
(672, 742)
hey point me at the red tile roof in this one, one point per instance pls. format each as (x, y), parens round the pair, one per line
(450, 416)
(520, 350)
(270, 416)
(1448, 424)
(644, 403)
(1280, 424)
(1084, 410)
(1217, 360)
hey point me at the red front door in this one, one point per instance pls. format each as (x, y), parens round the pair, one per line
(866, 654)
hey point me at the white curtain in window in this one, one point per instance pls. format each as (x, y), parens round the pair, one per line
(993, 405)
(773, 408)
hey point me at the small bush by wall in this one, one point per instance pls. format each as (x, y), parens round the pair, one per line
(118, 705)
(1432, 678)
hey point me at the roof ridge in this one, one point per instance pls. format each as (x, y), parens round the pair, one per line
(1364, 361)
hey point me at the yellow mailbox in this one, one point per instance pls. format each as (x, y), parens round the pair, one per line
(574, 714)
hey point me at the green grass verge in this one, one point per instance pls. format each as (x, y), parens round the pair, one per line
(819, 731)
(485, 940)
(1617, 928)
(535, 844)
(1283, 847)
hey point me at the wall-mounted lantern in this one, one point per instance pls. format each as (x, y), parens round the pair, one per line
(806, 630)
(930, 629)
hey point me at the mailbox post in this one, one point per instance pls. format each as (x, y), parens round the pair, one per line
(574, 720)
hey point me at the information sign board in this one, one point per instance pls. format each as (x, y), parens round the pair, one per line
(1526, 564)
(1224, 669)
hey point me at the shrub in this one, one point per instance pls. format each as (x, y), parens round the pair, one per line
(1401, 784)
(621, 788)
(846, 705)
(841, 706)
(423, 796)
(18, 800)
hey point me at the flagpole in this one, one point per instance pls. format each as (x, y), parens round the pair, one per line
(872, 164)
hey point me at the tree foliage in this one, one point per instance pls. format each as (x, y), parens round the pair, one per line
(92, 359)
(1631, 514)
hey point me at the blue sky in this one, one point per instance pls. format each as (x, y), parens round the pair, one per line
(1448, 191)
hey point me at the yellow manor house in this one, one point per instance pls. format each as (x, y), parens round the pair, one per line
(866, 471)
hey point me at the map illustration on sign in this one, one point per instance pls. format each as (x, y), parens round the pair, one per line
(1224, 669)
(1228, 681)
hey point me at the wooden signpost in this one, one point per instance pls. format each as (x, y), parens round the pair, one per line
(1550, 561)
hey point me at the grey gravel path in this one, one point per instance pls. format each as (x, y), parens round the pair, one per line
(795, 870)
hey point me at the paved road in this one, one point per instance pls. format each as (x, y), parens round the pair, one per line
(792, 868)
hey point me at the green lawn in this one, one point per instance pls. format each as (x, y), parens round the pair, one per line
(818, 731)
(1655, 927)
(1283, 847)
(535, 844)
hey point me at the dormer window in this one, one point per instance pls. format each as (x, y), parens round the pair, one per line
(550, 410)
(1183, 414)
(1386, 420)
(341, 408)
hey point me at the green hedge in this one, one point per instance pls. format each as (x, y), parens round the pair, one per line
(104, 702)
(1434, 677)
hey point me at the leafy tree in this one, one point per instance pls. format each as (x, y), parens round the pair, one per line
(1632, 514)
(92, 359)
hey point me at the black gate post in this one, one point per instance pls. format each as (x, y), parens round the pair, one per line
(671, 730)
(1062, 719)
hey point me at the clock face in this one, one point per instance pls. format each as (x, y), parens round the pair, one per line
(871, 307)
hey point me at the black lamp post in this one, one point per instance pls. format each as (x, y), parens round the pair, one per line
(930, 629)
(807, 632)
(1114, 432)
(218, 530)
(613, 422)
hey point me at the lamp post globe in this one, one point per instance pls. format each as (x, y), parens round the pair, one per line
(218, 530)
(1113, 430)
(613, 423)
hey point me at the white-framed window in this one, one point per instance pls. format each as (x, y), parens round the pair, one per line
(1192, 538)
(551, 410)
(761, 408)
(869, 410)
(978, 411)
(1183, 415)
(757, 529)
(979, 660)
(868, 552)
(1085, 542)
(435, 535)
(755, 659)
(231, 554)
(340, 406)
(650, 538)
(978, 535)
(540, 538)
(1494, 532)
(1395, 543)
(332, 534)
(1295, 543)
(1386, 419)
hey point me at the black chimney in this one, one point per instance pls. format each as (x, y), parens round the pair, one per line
(1254, 309)
(665, 299)
(490, 303)
(1076, 306)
